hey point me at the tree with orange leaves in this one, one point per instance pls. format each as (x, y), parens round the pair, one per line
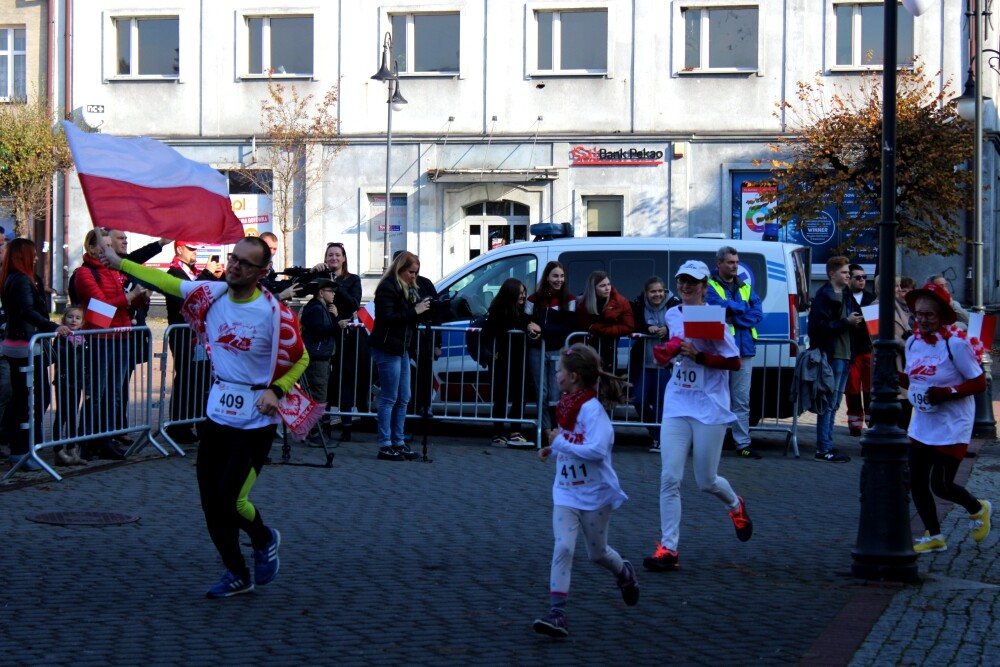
(835, 159)
(299, 141)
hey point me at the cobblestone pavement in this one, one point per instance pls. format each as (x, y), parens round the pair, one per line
(949, 618)
(442, 563)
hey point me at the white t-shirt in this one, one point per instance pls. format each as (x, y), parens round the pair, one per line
(241, 337)
(585, 479)
(695, 390)
(948, 423)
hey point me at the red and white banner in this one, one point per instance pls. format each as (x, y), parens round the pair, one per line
(142, 185)
(870, 313)
(367, 315)
(981, 326)
(705, 322)
(99, 314)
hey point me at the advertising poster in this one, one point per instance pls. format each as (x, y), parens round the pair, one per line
(821, 233)
(397, 228)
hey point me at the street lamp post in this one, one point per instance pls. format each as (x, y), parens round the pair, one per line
(884, 548)
(389, 73)
(970, 108)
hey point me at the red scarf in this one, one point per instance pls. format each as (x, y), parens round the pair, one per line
(977, 345)
(188, 269)
(569, 407)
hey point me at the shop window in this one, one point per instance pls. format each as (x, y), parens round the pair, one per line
(604, 215)
(859, 35)
(426, 43)
(13, 71)
(280, 45)
(147, 47)
(721, 38)
(572, 41)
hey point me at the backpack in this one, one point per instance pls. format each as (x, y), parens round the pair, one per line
(74, 298)
(479, 343)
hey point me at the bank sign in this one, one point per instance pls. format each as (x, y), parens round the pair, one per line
(594, 156)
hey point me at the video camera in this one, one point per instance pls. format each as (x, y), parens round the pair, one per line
(306, 278)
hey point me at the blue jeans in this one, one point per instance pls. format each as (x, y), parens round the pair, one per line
(393, 395)
(824, 422)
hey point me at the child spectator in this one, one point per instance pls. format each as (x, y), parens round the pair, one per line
(319, 332)
(70, 352)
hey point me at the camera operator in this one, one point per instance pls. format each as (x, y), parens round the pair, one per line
(283, 289)
(319, 334)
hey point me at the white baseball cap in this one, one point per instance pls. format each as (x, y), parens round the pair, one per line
(693, 268)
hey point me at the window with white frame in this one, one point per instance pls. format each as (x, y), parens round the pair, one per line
(604, 215)
(426, 43)
(147, 46)
(280, 45)
(721, 38)
(859, 41)
(13, 69)
(572, 41)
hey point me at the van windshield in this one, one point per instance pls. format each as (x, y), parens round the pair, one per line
(475, 290)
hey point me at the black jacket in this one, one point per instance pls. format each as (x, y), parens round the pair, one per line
(26, 308)
(826, 321)
(348, 297)
(861, 340)
(395, 318)
(319, 330)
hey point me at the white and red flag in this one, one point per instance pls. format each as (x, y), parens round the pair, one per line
(99, 314)
(870, 313)
(704, 322)
(142, 185)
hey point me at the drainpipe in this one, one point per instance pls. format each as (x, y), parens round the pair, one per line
(67, 110)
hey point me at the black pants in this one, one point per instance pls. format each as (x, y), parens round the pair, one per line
(932, 473)
(17, 410)
(230, 459)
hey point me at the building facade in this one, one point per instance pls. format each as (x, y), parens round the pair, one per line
(622, 117)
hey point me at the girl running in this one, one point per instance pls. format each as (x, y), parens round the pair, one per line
(586, 488)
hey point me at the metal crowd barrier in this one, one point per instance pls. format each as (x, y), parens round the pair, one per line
(185, 378)
(86, 388)
(86, 367)
(774, 366)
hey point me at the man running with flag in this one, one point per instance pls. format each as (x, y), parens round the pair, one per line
(257, 355)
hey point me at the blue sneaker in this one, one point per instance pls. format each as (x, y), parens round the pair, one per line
(30, 464)
(265, 561)
(229, 585)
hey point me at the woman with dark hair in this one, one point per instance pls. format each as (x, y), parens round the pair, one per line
(606, 315)
(943, 374)
(649, 379)
(350, 368)
(27, 314)
(552, 317)
(398, 307)
(505, 326)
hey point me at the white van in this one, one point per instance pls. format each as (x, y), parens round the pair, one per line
(778, 272)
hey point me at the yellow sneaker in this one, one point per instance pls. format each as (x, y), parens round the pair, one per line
(980, 521)
(929, 543)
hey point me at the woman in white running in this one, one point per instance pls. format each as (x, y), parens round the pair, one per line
(942, 375)
(586, 488)
(695, 415)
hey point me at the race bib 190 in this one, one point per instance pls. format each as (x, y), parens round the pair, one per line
(917, 394)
